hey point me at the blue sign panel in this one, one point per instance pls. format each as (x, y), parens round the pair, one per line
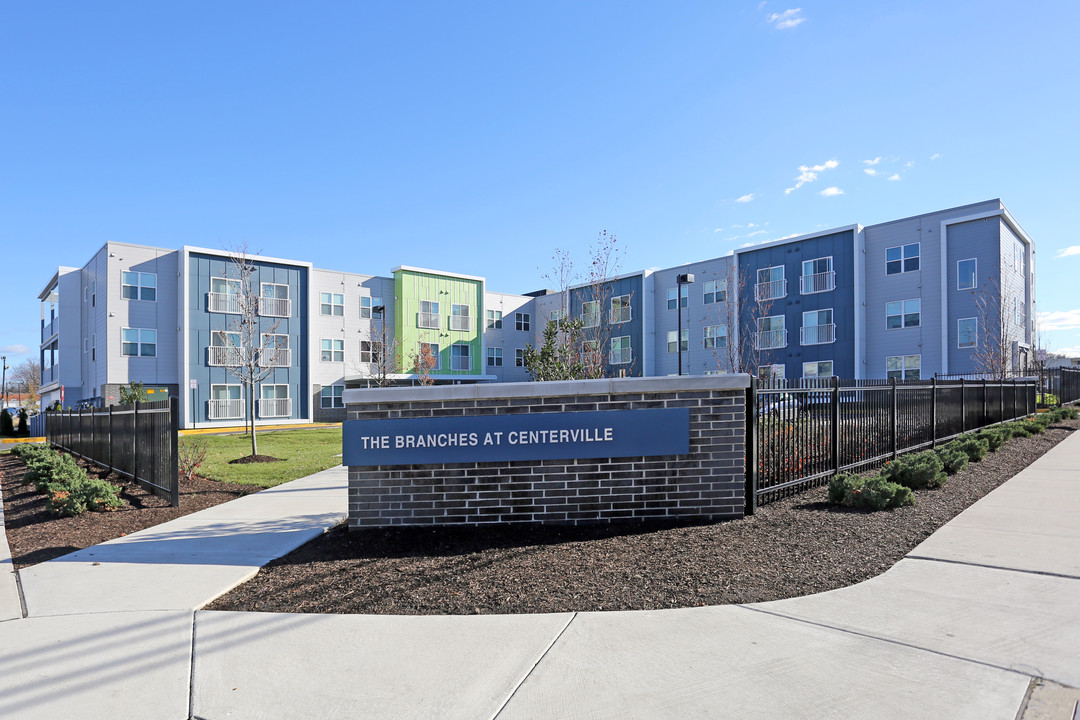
(543, 436)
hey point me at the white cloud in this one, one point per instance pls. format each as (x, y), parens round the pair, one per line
(831, 192)
(1059, 320)
(746, 198)
(1068, 352)
(786, 20)
(870, 171)
(809, 173)
(750, 225)
(909, 164)
(756, 232)
(875, 161)
(14, 349)
(761, 4)
(1071, 250)
(719, 230)
(935, 156)
(894, 176)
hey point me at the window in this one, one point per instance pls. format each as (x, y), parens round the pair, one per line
(93, 293)
(620, 309)
(274, 401)
(370, 351)
(138, 286)
(684, 340)
(902, 259)
(967, 332)
(371, 307)
(331, 304)
(818, 327)
(771, 372)
(332, 350)
(966, 274)
(224, 348)
(819, 369)
(275, 351)
(817, 276)
(621, 352)
(771, 283)
(1018, 312)
(433, 351)
(459, 318)
(331, 396)
(93, 348)
(274, 300)
(428, 317)
(494, 357)
(590, 313)
(224, 295)
(459, 356)
(494, 319)
(684, 294)
(772, 333)
(1018, 255)
(225, 402)
(902, 314)
(715, 336)
(558, 316)
(521, 321)
(715, 291)
(138, 342)
(903, 367)
(221, 338)
(519, 357)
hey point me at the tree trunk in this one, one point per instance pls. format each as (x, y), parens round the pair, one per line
(251, 404)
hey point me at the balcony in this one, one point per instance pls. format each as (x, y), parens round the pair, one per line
(770, 290)
(275, 357)
(225, 409)
(818, 334)
(50, 375)
(427, 320)
(274, 307)
(50, 329)
(276, 407)
(817, 283)
(590, 320)
(225, 356)
(223, 302)
(460, 322)
(621, 356)
(770, 339)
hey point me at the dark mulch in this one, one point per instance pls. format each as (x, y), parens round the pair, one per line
(36, 535)
(254, 459)
(797, 546)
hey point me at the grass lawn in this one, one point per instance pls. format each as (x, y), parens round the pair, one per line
(302, 452)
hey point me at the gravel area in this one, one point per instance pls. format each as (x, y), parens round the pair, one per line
(796, 546)
(36, 535)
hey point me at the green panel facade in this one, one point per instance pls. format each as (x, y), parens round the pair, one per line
(446, 310)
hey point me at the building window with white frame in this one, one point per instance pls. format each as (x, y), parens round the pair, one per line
(275, 350)
(967, 274)
(1018, 312)
(620, 309)
(903, 367)
(817, 369)
(332, 350)
(818, 327)
(226, 402)
(494, 356)
(274, 400)
(558, 315)
(224, 350)
(967, 332)
(521, 321)
(519, 357)
(902, 314)
(771, 372)
(138, 286)
(433, 351)
(771, 284)
(494, 319)
(817, 276)
(370, 351)
(224, 295)
(715, 336)
(683, 292)
(93, 348)
(683, 341)
(714, 291)
(621, 350)
(902, 259)
(371, 307)
(771, 333)
(459, 357)
(331, 304)
(459, 318)
(138, 342)
(428, 317)
(274, 300)
(331, 397)
(590, 313)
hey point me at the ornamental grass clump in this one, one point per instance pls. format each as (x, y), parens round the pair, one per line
(874, 493)
(918, 471)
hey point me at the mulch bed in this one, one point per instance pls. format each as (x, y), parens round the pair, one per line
(796, 546)
(36, 535)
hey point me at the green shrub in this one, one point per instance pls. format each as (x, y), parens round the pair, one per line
(975, 448)
(80, 494)
(994, 437)
(874, 492)
(921, 470)
(1069, 413)
(1018, 430)
(953, 459)
(1034, 427)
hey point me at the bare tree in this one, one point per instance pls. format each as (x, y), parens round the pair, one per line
(379, 353)
(26, 376)
(423, 362)
(740, 351)
(997, 332)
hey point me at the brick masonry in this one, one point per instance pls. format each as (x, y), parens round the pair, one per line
(707, 484)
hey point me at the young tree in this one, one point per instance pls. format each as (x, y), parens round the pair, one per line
(741, 350)
(998, 331)
(381, 350)
(132, 393)
(423, 362)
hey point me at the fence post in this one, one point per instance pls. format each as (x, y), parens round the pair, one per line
(835, 397)
(963, 407)
(1001, 400)
(111, 436)
(174, 436)
(933, 412)
(135, 443)
(751, 448)
(985, 409)
(895, 418)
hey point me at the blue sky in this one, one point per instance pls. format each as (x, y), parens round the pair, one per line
(479, 137)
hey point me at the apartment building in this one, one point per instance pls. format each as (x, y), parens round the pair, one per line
(902, 299)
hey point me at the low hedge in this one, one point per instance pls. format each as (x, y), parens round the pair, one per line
(69, 490)
(875, 492)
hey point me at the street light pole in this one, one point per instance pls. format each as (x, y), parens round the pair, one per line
(3, 382)
(680, 280)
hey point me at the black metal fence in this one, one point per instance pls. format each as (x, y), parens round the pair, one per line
(138, 441)
(802, 432)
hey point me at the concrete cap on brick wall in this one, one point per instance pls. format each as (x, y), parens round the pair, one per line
(604, 386)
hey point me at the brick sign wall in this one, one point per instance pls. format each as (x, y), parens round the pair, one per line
(707, 482)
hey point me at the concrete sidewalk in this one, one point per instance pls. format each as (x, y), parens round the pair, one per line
(958, 629)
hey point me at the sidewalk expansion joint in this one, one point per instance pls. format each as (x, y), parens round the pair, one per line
(19, 589)
(1023, 673)
(533, 668)
(191, 673)
(1046, 573)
